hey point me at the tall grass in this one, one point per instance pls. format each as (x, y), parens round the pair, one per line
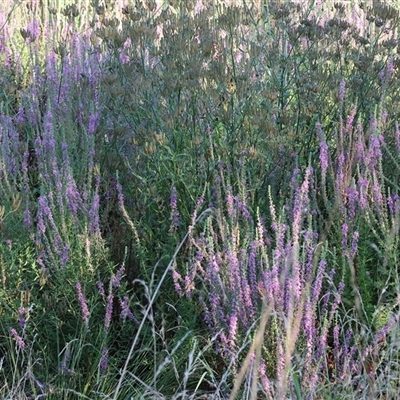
(199, 200)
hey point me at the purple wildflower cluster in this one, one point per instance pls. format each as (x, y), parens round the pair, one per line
(62, 206)
(126, 311)
(18, 339)
(114, 287)
(174, 210)
(41, 163)
(253, 264)
(241, 260)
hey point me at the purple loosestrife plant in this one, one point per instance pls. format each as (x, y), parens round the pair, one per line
(103, 365)
(126, 311)
(109, 310)
(310, 327)
(174, 210)
(116, 278)
(242, 270)
(65, 212)
(84, 307)
(18, 339)
(100, 288)
(342, 91)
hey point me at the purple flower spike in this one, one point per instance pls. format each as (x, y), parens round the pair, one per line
(104, 360)
(109, 309)
(18, 339)
(342, 91)
(84, 306)
(174, 209)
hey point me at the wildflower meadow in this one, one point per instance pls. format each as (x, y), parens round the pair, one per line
(199, 199)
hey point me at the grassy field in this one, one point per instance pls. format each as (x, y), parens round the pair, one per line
(199, 200)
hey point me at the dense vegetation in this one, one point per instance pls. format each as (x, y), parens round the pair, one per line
(199, 200)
